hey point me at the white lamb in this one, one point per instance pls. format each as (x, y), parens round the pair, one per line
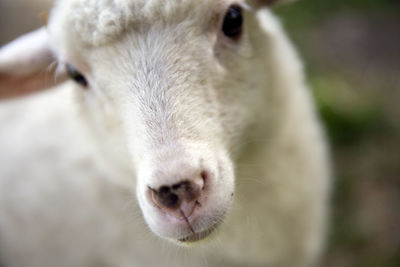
(189, 118)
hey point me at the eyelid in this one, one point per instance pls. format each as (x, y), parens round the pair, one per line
(246, 6)
(223, 9)
(242, 4)
(76, 75)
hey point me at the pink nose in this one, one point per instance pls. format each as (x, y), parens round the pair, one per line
(180, 199)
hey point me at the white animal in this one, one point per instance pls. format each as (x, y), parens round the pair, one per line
(188, 121)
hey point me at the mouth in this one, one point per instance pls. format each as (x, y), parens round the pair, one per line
(199, 236)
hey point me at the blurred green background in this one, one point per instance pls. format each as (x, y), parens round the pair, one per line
(351, 50)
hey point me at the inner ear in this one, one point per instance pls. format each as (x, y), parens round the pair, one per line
(27, 65)
(20, 85)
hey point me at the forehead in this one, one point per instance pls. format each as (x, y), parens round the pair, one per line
(96, 22)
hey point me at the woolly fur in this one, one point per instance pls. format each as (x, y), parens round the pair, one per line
(169, 96)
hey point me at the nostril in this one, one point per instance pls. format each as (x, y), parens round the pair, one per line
(164, 190)
(170, 201)
(176, 186)
(180, 199)
(204, 177)
(164, 198)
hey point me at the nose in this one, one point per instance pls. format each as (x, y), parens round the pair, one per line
(179, 199)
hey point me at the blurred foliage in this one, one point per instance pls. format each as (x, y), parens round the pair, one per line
(361, 119)
(344, 125)
(305, 12)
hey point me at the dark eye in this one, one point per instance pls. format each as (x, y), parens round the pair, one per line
(233, 22)
(76, 75)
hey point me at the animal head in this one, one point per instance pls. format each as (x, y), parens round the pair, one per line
(180, 81)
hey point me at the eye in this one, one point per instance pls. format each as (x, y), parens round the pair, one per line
(76, 75)
(233, 22)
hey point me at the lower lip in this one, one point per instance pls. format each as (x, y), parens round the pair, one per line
(198, 236)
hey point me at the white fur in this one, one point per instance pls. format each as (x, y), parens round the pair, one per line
(169, 96)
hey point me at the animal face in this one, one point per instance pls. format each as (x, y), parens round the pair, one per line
(176, 81)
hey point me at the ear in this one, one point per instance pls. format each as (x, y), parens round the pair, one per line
(261, 3)
(25, 65)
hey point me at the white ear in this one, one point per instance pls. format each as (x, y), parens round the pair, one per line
(24, 64)
(26, 55)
